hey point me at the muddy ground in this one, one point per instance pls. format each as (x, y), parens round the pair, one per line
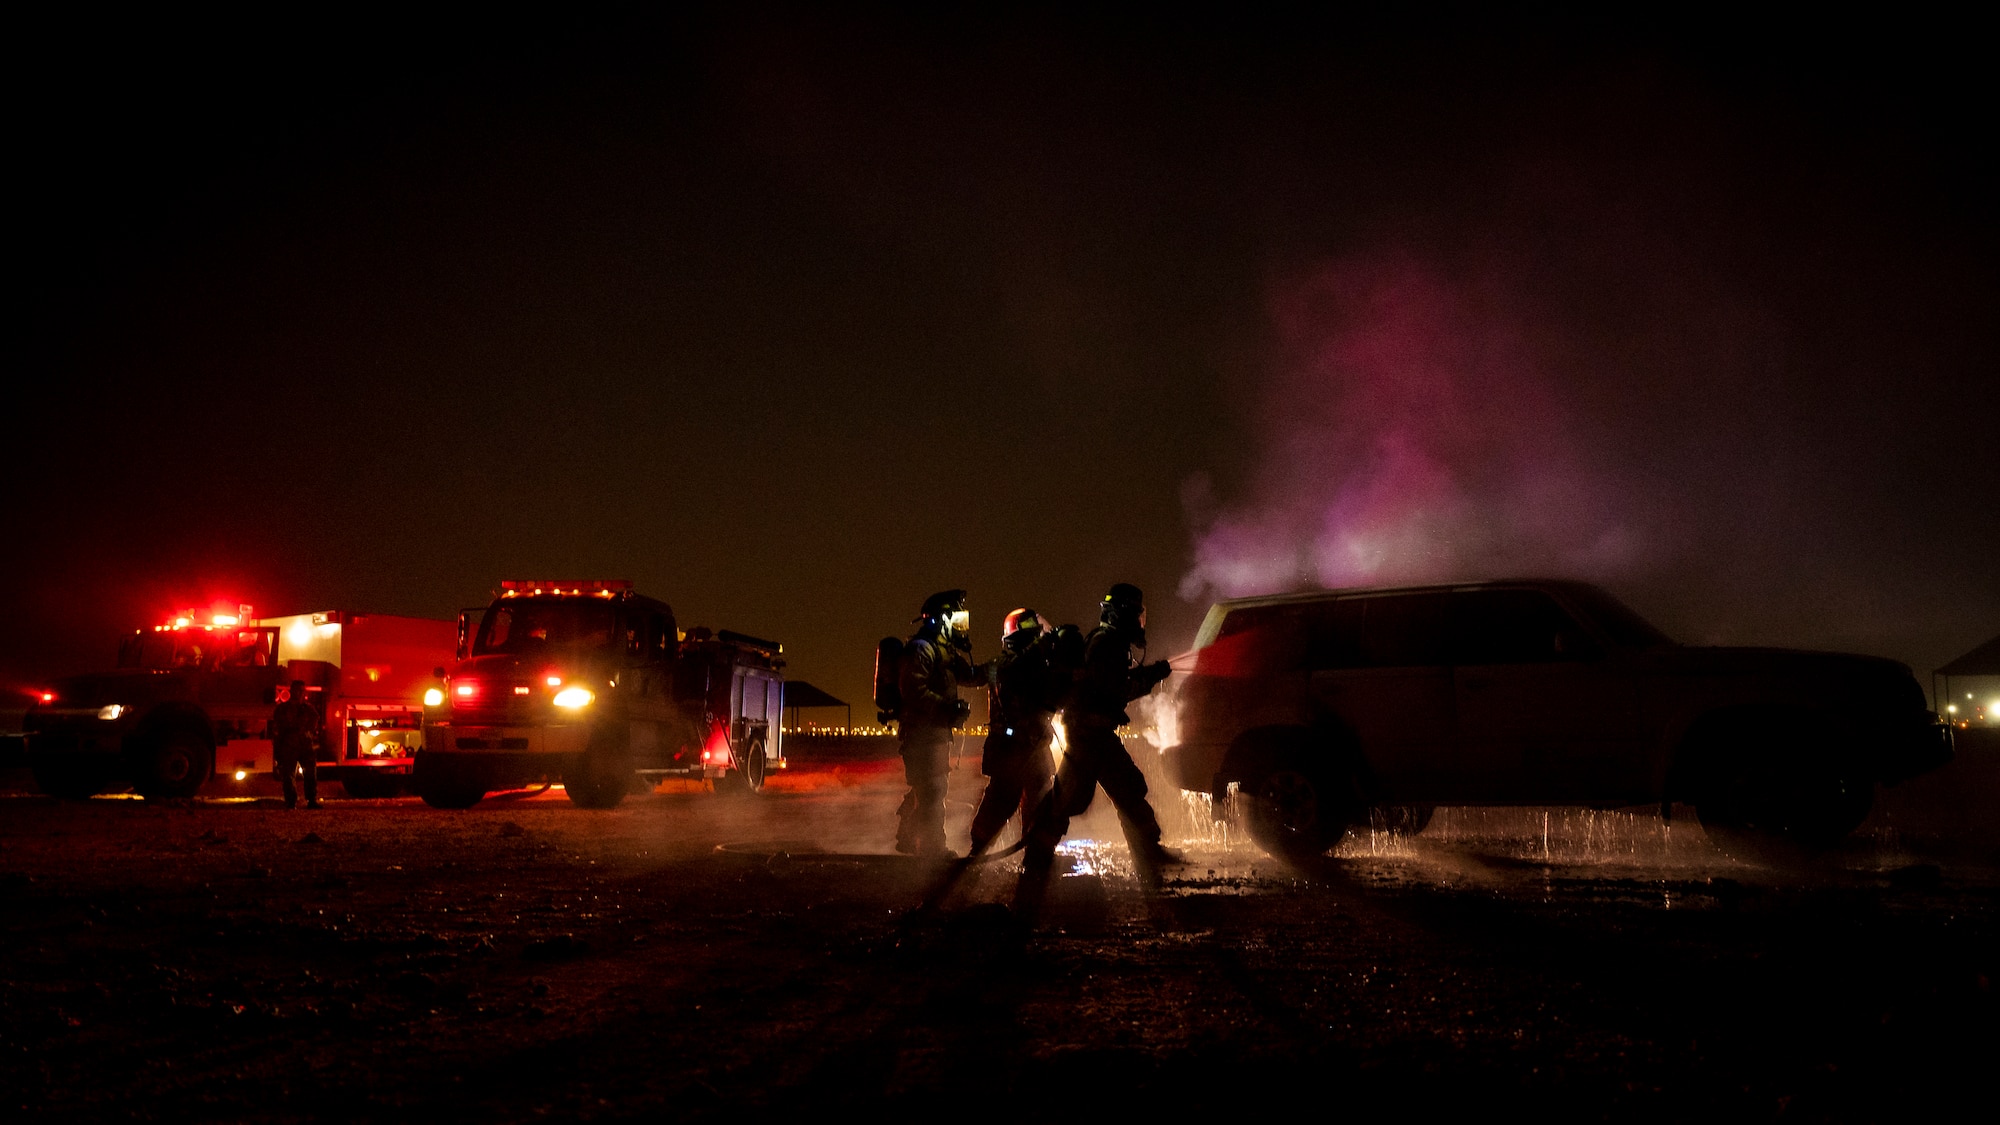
(704, 957)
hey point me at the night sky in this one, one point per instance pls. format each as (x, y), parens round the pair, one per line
(794, 322)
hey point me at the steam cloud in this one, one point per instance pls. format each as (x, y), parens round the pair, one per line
(1409, 434)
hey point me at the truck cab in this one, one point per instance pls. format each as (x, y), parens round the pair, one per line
(594, 686)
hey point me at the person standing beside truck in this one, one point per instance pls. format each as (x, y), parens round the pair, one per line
(295, 730)
(935, 661)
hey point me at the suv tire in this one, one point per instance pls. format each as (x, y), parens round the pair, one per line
(1298, 810)
(1775, 787)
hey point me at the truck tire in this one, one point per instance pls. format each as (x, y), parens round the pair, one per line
(443, 784)
(173, 764)
(750, 778)
(602, 775)
(66, 778)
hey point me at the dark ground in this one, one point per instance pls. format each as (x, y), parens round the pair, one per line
(382, 960)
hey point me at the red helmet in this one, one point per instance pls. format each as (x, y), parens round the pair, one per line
(1025, 622)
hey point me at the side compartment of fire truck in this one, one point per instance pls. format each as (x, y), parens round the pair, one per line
(371, 671)
(737, 682)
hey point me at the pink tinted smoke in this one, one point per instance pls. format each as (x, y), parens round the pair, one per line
(1406, 434)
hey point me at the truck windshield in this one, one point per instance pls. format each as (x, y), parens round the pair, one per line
(204, 649)
(534, 624)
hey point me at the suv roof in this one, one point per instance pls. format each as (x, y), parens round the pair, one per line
(1591, 595)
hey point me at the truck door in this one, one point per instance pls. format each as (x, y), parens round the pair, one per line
(1543, 716)
(649, 703)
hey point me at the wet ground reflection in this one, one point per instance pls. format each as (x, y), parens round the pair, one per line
(1574, 853)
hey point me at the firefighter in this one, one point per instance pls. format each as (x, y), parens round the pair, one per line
(1110, 677)
(1026, 686)
(936, 660)
(295, 732)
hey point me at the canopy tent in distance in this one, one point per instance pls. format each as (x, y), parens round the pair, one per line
(800, 694)
(1981, 661)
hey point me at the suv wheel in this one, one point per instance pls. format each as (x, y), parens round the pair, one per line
(1771, 795)
(1297, 812)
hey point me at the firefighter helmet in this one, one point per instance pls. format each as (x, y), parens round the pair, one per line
(945, 611)
(942, 605)
(1021, 628)
(1123, 609)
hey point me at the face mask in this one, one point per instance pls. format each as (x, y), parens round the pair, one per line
(961, 622)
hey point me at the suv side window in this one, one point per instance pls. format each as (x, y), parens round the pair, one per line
(1404, 631)
(1333, 633)
(1514, 627)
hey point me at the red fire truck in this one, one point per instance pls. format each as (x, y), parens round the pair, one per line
(190, 701)
(594, 686)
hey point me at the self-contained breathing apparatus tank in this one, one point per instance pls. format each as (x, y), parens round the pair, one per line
(888, 679)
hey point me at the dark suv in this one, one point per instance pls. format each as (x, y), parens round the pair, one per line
(1323, 706)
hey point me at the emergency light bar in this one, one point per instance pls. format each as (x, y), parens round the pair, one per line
(601, 587)
(198, 619)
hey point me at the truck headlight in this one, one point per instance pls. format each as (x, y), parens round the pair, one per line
(434, 698)
(574, 697)
(110, 711)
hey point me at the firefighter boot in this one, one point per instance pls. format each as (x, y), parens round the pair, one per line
(906, 837)
(1150, 862)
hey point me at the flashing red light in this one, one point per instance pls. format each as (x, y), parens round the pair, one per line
(48, 697)
(717, 748)
(465, 689)
(520, 689)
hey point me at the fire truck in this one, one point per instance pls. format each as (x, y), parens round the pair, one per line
(595, 687)
(190, 701)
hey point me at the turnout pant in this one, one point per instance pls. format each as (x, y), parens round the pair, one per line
(1018, 772)
(288, 759)
(1096, 756)
(927, 768)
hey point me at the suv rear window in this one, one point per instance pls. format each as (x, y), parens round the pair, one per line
(1254, 640)
(1387, 631)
